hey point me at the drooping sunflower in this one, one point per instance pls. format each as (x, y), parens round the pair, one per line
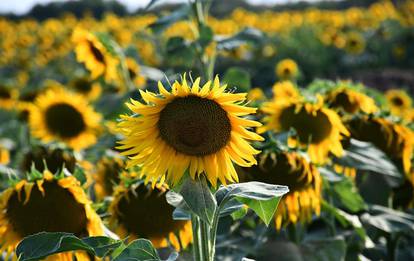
(108, 175)
(86, 87)
(48, 204)
(63, 116)
(287, 69)
(8, 97)
(303, 179)
(285, 90)
(97, 59)
(191, 127)
(350, 101)
(318, 128)
(394, 139)
(42, 158)
(355, 43)
(143, 212)
(135, 73)
(398, 101)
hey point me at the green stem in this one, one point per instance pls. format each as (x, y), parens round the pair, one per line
(205, 243)
(197, 255)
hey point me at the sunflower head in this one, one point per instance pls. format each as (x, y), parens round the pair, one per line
(8, 97)
(108, 175)
(287, 69)
(86, 87)
(350, 101)
(285, 90)
(134, 72)
(48, 204)
(142, 211)
(318, 128)
(195, 128)
(4, 155)
(302, 178)
(59, 115)
(96, 57)
(256, 94)
(398, 101)
(42, 158)
(355, 43)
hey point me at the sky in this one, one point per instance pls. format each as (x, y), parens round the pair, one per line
(23, 6)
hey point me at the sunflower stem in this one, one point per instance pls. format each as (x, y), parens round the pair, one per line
(195, 224)
(205, 242)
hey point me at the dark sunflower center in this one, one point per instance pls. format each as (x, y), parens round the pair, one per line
(96, 53)
(28, 96)
(4, 93)
(353, 43)
(147, 214)
(309, 127)
(194, 126)
(132, 73)
(397, 101)
(83, 85)
(110, 172)
(286, 71)
(341, 100)
(57, 211)
(64, 120)
(54, 160)
(279, 171)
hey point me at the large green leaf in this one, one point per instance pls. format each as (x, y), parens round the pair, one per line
(44, 244)
(388, 220)
(347, 194)
(324, 249)
(262, 198)
(239, 78)
(139, 250)
(250, 35)
(199, 199)
(165, 21)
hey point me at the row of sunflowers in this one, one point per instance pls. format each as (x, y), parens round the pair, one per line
(124, 129)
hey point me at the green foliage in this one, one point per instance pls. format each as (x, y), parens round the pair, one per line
(239, 78)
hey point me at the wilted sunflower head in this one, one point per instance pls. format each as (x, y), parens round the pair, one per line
(287, 69)
(8, 97)
(318, 128)
(134, 72)
(395, 140)
(59, 115)
(108, 175)
(285, 90)
(350, 101)
(196, 128)
(91, 51)
(398, 101)
(141, 211)
(42, 158)
(48, 204)
(86, 87)
(355, 43)
(302, 178)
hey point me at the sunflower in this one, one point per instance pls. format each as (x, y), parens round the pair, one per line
(285, 90)
(256, 94)
(86, 87)
(287, 69)
(4, 155)
(395, 140)
(63, 116)
(48, 204)
(142, 211)
(318, 128)
(398, 101)
(355, 43)
(90, 51)
(8, 97)
(195, 128)
(303, 179)
(107, 176)
(134, 72)
(350, 101)
(42, 158)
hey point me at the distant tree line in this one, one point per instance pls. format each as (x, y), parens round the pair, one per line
(219, 8)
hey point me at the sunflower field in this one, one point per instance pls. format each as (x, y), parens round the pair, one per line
(179, 135)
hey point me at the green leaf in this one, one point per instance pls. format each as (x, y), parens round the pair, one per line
(199, 199)
(44, 244)
(165, 21)
(206, 35)
(324, 249)
(239, 214)
(388, 220)
(250, 35)
(139, 250)
(347, 194)
(102, 246)
(239, 78)
(262, 198)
